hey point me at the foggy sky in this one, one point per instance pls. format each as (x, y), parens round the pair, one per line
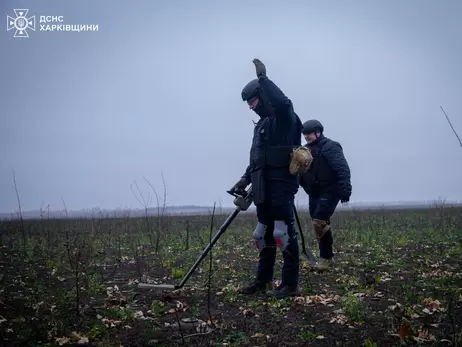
(157, 89)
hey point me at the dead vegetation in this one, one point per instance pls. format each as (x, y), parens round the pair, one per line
(397, 281)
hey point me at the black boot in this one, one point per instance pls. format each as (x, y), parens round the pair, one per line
(254, 287)
(284, 291)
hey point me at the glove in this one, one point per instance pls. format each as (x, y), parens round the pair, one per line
(345, 199)
(260, 68)
(240, 185)
(300, 160)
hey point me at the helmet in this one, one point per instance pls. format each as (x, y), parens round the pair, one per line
(311, 126)
(251, 90)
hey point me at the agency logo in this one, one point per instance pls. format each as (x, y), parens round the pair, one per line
(21, 23)
(48, 24)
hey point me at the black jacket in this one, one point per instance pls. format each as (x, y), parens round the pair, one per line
(329, 172)
(275, 135)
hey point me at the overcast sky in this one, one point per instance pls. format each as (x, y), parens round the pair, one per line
(157, 88)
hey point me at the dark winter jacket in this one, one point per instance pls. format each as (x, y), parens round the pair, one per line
(329, 171)
(275, 135)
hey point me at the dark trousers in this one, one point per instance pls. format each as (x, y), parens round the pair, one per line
(323, 207)
(279, 207)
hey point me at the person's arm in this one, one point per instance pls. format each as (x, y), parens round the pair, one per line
(274, 94)
(270, 90)
(333, 153)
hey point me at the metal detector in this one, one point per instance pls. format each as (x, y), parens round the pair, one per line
(242, 200)
(307, 253)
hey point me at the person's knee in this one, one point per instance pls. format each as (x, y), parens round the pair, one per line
(320, 227)
(281, 234)
(284, 233)
(259, 235)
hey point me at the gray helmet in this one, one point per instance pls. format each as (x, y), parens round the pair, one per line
(311, 126)
(252, 89)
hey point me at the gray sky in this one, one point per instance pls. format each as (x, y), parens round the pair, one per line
(157, 88)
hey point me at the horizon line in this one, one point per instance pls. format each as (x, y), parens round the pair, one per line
(231, 206)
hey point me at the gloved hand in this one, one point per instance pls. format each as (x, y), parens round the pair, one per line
(240, 185)
(345, 199)
(260, 68)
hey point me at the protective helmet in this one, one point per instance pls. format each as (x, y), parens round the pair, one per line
(251, 90)
(311, 126)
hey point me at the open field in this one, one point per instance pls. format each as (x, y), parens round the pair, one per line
(397, 281)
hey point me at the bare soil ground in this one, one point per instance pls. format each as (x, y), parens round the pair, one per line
(397, 282)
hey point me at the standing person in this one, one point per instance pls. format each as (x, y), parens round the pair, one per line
(274, 186)
(327, 182)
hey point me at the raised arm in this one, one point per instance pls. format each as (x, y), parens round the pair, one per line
(274, 94)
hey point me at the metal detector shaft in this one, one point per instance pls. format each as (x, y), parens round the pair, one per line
(242, 201)
(207, 249)
(309, 256)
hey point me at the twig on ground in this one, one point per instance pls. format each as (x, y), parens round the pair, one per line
(179, 326)
(145, 203)
(21, 220)
(209, 289)
(199, 334)
(160, 210)
(451, 318)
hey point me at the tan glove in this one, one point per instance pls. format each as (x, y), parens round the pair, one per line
(300, 160)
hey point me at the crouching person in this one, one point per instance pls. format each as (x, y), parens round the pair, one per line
(327, 182)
